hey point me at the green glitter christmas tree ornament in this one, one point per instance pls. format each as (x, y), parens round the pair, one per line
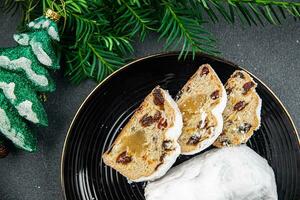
(24, 73)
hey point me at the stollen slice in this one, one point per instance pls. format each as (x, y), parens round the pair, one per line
(201, 102)
(147, 146)
(242, 112)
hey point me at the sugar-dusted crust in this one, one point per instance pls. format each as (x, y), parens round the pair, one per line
(172, 134)
(147, 146)
(201, 101)
(242, 112)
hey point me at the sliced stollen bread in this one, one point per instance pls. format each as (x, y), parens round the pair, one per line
(242, 112)
(147, 146)
(201, 102)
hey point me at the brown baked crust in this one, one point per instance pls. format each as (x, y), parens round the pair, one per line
(201, 94)
(242, 113)
(141, 146)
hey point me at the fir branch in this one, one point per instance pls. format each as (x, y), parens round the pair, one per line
(111, 60)
(178, 26)
(86, 26)
(76, 69)
(132, 18)
(97, 34)
(8, 6)
(249, 11)
(27, 7)
(112, 42)
(93, 61)
(137, 2)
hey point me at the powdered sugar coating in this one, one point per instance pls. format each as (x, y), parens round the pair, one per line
(172, 134)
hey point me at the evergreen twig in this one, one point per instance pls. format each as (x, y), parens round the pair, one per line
(97, 34)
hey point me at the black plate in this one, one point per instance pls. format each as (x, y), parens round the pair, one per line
(109, 106)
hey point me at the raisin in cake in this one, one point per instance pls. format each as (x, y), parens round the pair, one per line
(201, 102)
(147, 146)
(242, 112)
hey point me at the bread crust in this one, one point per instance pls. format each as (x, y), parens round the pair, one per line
(147, 146)
(242, 112)
(201, 101)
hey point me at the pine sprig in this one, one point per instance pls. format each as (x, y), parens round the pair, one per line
(76, 69)
(248, 11)
(177, 22)
(92, 61)
(104, 62)
(97, 35)
(133, 18)
(118, 43)
(84, 25)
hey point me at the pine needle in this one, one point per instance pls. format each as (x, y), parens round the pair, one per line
(97, 35)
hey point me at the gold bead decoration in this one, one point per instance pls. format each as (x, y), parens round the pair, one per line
(52, 15)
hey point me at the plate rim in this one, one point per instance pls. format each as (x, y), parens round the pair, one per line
(169, 53)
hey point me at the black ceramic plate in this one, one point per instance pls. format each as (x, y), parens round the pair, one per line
(109, 106)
